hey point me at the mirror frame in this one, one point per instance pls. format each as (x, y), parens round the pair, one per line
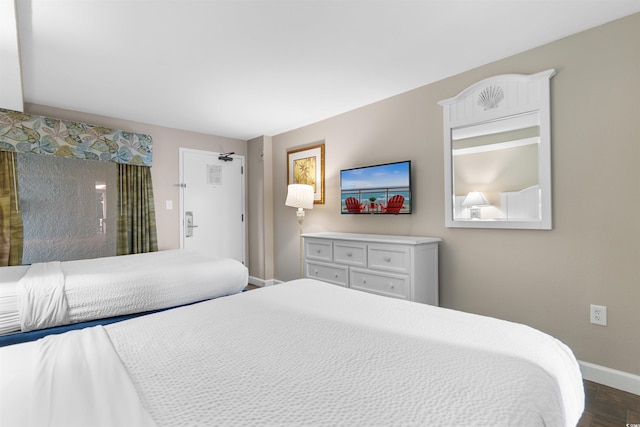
(517, 94)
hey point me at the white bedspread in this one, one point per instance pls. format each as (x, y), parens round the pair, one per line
(9, 315)
(42, 302)
(308, 353)
(106, 287)
(74, 379)
(313, 354)
(58, 293)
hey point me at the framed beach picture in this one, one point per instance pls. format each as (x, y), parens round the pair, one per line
(306, 166)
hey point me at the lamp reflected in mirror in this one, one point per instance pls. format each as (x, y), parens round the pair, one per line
(474, 201)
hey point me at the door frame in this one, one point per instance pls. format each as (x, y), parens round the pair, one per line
(243, 198)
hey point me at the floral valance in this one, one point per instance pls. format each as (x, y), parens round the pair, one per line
(26, 133)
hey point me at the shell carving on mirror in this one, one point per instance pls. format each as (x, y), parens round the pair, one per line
(490, 97)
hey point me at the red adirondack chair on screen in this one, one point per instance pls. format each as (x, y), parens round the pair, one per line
(353, 205)
(394, 205)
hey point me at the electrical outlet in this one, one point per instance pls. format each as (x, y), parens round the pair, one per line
(599, 315)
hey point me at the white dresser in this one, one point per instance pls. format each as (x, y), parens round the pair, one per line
(394, 266)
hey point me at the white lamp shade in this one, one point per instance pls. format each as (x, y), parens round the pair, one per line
(475, 198)
(300, 196)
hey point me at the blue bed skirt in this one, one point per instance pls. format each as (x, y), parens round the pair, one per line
(20, 337)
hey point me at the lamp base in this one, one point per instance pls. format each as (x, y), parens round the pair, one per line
(474, 213)
(300, 216)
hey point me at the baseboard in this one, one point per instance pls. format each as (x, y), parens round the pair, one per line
(261, 282)
(610, 377)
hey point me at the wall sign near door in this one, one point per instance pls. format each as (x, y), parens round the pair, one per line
(214, 174)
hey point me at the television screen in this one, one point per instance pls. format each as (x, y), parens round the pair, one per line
(378, 189)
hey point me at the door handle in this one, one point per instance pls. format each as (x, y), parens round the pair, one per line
(188, 221)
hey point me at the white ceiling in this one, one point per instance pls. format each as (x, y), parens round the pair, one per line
(242, 68)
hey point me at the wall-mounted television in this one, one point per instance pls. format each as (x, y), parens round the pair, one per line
(377, 189)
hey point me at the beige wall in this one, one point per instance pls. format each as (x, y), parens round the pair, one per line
(545, 279)
(260, 209)
(11, 96)
(165, 170)
(255, 206)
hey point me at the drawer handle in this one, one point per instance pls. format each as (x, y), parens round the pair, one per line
(318, 250)
(335, 275)
(349, 254)
(387, 259)
(392, 286)
(364, 281)
(315, 271)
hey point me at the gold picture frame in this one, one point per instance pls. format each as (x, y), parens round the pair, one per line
(306, 166)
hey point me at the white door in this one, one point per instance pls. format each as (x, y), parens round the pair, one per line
(212, 203)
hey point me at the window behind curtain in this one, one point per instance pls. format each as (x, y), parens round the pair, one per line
(69, 208)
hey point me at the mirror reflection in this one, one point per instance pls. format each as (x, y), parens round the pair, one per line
(495, 170)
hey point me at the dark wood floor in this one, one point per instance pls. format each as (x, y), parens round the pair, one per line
(609, 407)
(604, 406)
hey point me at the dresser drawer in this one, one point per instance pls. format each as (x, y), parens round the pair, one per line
(390, 285)
(331, 273)
(389, 258)
(321, 250)
(350, 253)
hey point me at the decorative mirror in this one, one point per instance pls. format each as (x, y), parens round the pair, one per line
(497, 149)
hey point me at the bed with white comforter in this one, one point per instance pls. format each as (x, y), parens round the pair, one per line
(50, 294)
(299, 353)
